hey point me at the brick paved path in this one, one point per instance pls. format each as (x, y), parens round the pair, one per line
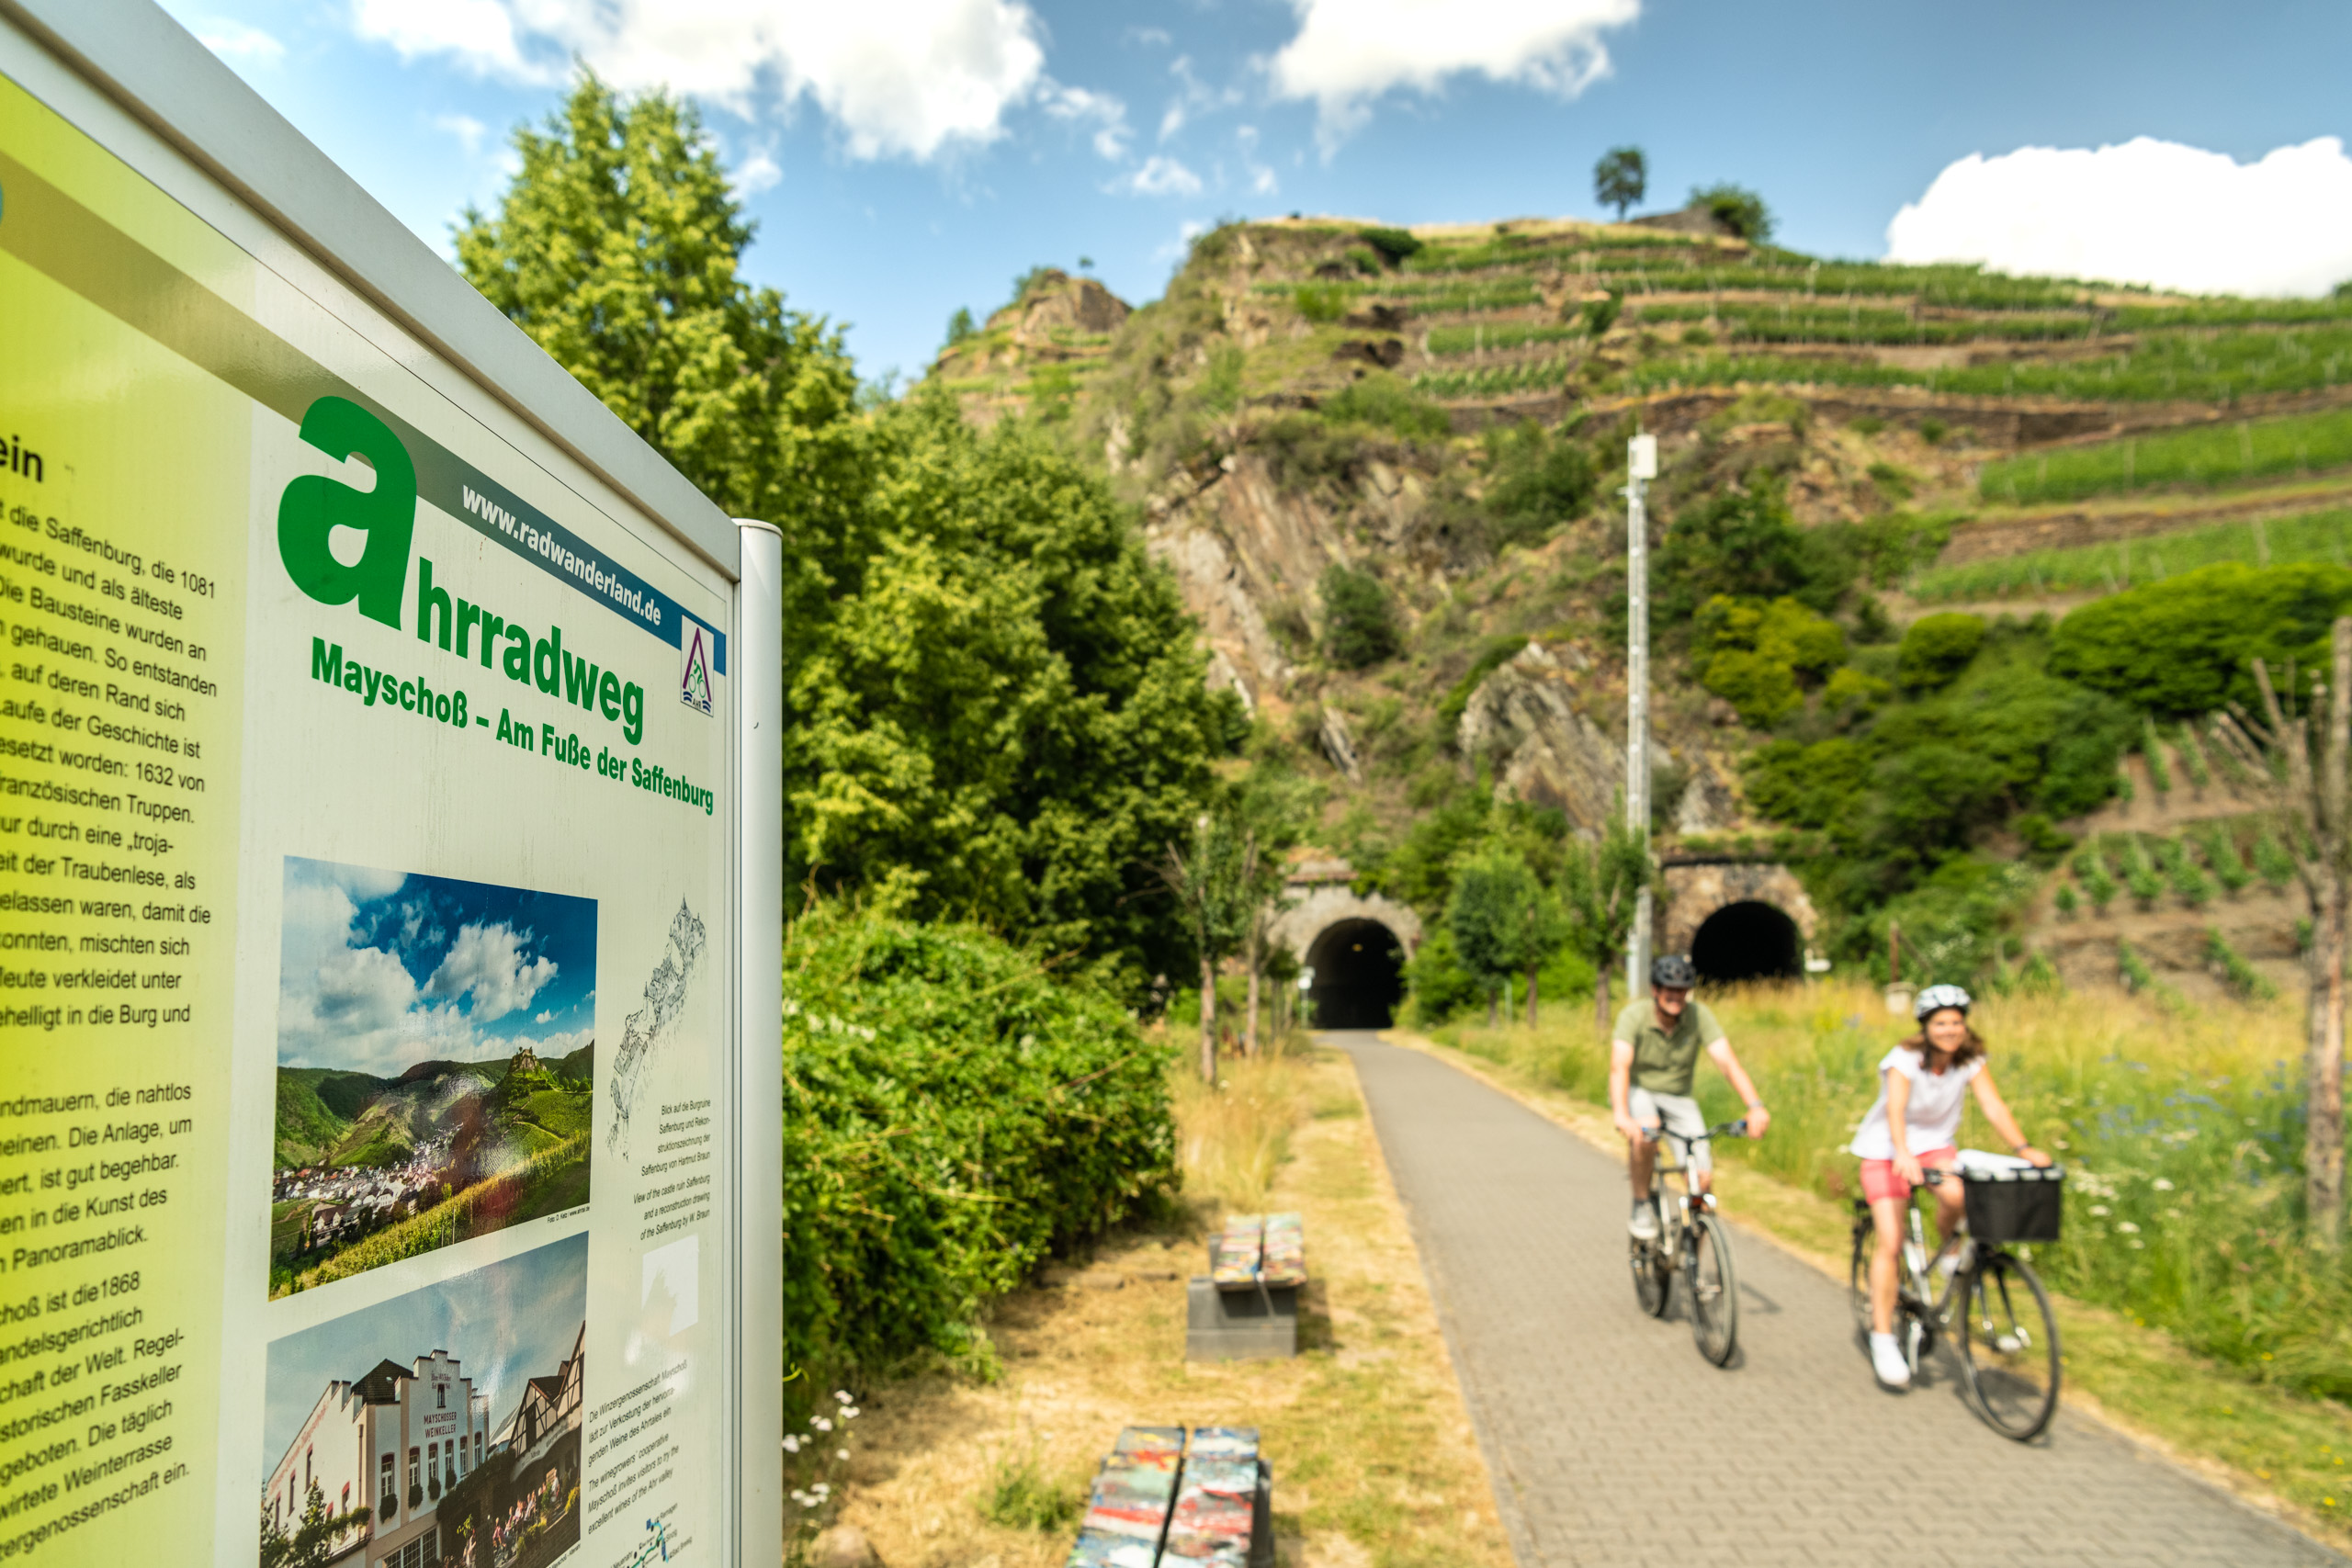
(1593, 1415)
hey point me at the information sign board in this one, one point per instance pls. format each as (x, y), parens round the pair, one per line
(372, 908)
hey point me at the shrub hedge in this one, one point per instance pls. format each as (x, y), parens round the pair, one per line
(953, 1115)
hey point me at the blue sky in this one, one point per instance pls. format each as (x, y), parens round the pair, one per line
(381, 970)
(505, 1324)
(905, 157)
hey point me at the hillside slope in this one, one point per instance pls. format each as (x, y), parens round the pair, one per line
(1443, 410)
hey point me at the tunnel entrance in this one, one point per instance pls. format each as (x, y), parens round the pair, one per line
(1359, 975)
(1748, 941)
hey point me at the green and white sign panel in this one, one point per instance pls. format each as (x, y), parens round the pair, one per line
(376, 1107)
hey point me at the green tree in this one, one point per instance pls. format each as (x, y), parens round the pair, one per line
(1737, 208)
(314, 1540)
(1493, 916)
(1359, 620)
(1936, 648)
(1601, 889)
(994, 708)
(993, 704)
(2184, 647)
(1214, 879)
(1744, 543)
(1621, 178)
(960, 326)
(616, 248)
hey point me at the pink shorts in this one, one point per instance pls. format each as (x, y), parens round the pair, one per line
(1879, 1179)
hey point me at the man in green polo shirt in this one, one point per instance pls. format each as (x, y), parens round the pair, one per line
(1652, 1056)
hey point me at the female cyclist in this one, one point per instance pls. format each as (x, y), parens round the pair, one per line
(1913, 1127)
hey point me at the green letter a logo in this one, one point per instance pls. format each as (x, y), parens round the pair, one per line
(313, 506)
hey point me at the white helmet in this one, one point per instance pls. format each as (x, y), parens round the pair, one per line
(1934, 998)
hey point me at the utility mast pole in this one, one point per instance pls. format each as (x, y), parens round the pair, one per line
(1641, 467)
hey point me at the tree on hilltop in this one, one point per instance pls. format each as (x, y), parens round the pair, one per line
(1621, 178)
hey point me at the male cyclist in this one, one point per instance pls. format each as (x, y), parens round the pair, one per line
(1654, 1052)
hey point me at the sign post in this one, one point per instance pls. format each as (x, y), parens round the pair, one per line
(390, 904)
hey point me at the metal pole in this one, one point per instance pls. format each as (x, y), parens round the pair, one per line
(1641, 467)
(756, 1476)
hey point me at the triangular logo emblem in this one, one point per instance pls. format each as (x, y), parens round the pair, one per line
(693, 680)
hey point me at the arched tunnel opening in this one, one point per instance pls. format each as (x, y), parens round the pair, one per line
(1359, 975)
(1748, 941)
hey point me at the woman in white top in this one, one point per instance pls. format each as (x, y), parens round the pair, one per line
(1913, 1127)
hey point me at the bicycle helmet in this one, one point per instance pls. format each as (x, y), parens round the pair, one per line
(1674, 972)
(1934, 998)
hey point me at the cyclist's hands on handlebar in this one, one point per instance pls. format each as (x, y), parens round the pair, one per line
(1628, 1129)
(1907, 1167)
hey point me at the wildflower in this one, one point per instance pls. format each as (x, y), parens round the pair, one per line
(2127, 1228)
(821, 1423)
(2162, 1185)
(2136, 1243)
(841, 1395)
(840, 1453)
(849, 1413)
(792, 1443)
(2099, 1209)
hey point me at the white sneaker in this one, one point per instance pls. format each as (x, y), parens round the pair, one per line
(1886, 1361)
(1644, 1224)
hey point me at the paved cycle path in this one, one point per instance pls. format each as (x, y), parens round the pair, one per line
(1612, 1443)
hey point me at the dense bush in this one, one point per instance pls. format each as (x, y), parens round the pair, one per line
(1737, 208)
(1390, 403)
(1745, 544)
(1394, 244)
(1536, 481)
(953, 1114)
(1359, 621)
(2183, 645)
(1753, 655)
(1937, 648)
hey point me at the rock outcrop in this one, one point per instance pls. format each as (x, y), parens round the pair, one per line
(1526, 720)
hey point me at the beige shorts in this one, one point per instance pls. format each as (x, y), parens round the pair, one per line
(1678, 1113)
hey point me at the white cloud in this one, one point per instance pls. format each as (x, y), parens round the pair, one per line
(1105, 112)
(239, 43)
(1160, 177)
(901, 78)
(1262, 179)
(465, 128)
(1347, 53)
(2146, 212)
(757, 173)
(488, 962)
(544, 1018)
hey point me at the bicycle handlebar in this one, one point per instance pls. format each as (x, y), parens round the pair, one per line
(1722, 1130)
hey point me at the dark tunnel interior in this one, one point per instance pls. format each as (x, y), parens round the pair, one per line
(1748, 941)
(1359, 975)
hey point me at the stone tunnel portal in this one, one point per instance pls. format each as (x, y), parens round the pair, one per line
(1748, 941)
(1359, 975)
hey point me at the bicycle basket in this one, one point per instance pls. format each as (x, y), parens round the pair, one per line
(2015, 1205)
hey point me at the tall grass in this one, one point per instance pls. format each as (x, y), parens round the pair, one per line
(2313, 537)
(1502, 336)
(2182, 1129)
(1231, 1139)
(2207, 366)
(1526, 375)
(1847, 321)
(2206, 454)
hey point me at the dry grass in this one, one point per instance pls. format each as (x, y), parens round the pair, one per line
(1374, 1462)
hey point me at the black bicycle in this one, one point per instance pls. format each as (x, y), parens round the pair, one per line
(1992, 1303)
(1691, 1241)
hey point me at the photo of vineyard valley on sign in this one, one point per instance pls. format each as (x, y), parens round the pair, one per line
(436, 1042)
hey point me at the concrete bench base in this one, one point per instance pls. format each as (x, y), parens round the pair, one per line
(1240, 1326)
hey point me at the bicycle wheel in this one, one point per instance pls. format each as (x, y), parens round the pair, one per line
(1714, 1291)
(1858, 1275)
(2008, 1346)
(1651, 1281)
